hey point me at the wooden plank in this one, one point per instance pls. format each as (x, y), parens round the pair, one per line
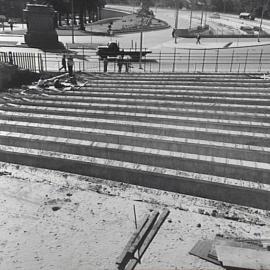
(135, 245)
(133, 262)
(121, 258)
(230, 242)
(203, 249)
(142, 235)
(243, 258)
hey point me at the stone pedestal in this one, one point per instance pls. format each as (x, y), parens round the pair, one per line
(41, 24)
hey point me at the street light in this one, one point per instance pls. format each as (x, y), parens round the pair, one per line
(141, 44)
(263, 10)
(91, 31)
(191, 14)
(72, 21)
(176, 19)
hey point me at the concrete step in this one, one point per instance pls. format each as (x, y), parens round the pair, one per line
(178, 144)
(151, 91)
(228, 190)
(165, 83)
(197, 131)
(223, 167)
(189, 121)
(163, 99)
(114, 109)
(67, 123)
(174, 88)
(231, 103)
(177, 76)
(151, 94)
(226, 136)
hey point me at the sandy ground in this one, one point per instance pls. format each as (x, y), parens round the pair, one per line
(95, 220)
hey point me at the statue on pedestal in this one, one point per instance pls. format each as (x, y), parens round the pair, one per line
(41, 26)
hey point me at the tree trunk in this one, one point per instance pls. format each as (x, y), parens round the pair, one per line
(59, 19)
(81, 18)
(67, 18)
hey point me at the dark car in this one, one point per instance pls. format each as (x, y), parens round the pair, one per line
(247, 16)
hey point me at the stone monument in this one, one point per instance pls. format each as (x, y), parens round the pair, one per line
(41, 25)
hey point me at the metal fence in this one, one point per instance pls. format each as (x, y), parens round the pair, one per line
(182, 60)
(30, 61)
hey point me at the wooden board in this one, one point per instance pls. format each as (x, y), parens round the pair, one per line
(229, 242)
(133, 262)
(243, 258)
(202, 250)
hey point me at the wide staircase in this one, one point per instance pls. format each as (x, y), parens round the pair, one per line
(205, 135)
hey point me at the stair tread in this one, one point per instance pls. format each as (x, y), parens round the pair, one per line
(137, 166)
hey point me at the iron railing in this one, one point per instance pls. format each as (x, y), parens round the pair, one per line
(182, 60)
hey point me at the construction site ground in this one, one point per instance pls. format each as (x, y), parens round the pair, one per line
(53, 220)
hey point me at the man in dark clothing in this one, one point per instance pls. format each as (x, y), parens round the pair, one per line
(70, 64)
(105, 63)
(119, 62)
(198, 39)
(64, 64)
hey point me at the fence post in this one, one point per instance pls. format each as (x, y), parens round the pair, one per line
(216, 68)
(45, 58)
(232, 61)
(204, 53)
(144, 63)
(41, 63)
(245, 67)
(260, 61)
(174, 55)
(83, 58)
(159, 62)
(189, 59)
(34, 60)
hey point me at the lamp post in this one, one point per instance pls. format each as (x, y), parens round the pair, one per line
(72, 21)
(141, 44)
(176, 19)
(91, 31)
(263, 10)
(191, 14)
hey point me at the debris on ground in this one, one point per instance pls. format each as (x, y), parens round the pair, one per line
(235, 253)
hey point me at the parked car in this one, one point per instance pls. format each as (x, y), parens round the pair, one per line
(247, 16)
(215, 16)
(246, 28)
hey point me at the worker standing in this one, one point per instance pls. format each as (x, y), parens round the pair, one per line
(105, 63)
(70, 64)
(64, 63)
(198, 39)
(119, 60)
(126, 61)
